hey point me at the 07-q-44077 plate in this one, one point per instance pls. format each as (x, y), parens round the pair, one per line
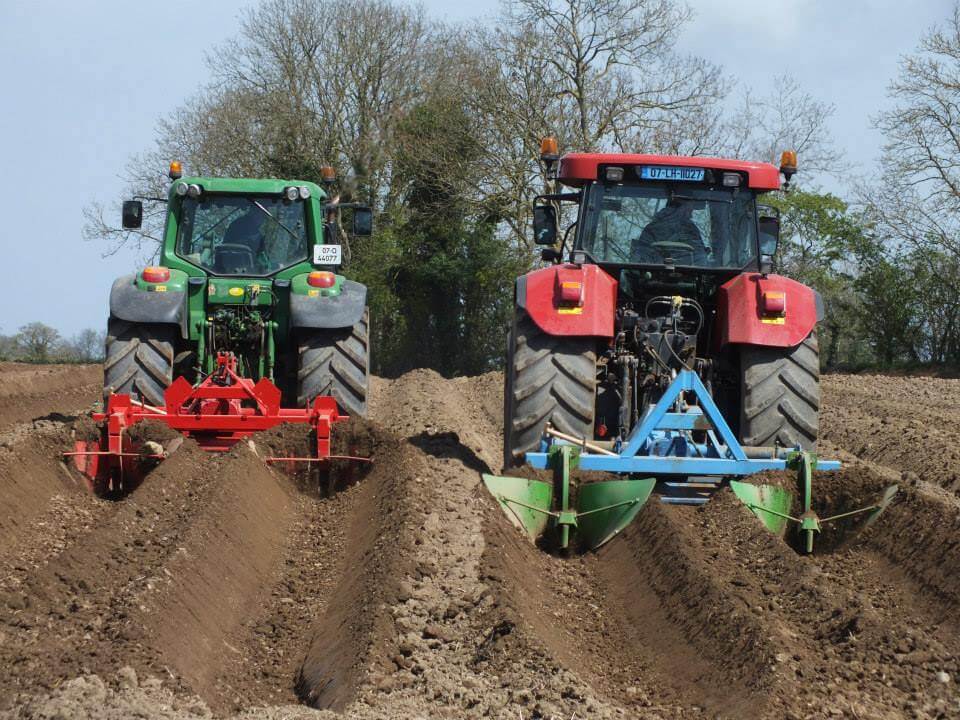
(669, 172)
(327, 255)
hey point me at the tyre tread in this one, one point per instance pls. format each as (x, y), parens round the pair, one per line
(549, 379)
(780, 395)
(336, 363)
(138, 360)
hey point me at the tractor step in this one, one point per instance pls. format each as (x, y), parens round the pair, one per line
(694, 492)
(667, 500)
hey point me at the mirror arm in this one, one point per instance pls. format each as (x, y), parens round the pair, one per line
(563, 243)
(328, 207)
(149, 199)
(559, 197)
(766, 265)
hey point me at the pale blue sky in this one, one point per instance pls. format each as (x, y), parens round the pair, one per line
(84, 83)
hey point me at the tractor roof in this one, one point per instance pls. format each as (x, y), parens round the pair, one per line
(578, 168)
(266, 186)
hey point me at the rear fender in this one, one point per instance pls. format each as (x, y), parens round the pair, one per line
(569, 300)
(162, 303)
(772, 311)
(337, 311)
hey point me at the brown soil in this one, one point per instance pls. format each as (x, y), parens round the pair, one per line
(28, 392)
(223, 585)
(909, 424)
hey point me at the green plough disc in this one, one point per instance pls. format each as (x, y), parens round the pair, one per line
(769, 503)
(882, 504)
(603, 508)
(526, 502)
(606, 508)
(772, 505)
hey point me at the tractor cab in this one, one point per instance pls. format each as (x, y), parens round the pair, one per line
(237, 234)
(658, 224)
(250, 227)
(652, 212)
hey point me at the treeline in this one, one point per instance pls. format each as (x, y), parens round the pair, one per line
(887, 260)
(888, 304)
(39, 343)
(438, 127)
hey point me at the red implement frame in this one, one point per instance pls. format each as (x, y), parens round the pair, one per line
(217, 413)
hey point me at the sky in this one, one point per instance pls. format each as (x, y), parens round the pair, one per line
(85, 83)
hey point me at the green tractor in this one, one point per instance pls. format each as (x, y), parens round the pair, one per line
(247, 267)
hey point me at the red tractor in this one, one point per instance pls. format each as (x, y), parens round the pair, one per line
(668, 269)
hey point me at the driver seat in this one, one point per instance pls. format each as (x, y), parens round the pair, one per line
(671, 230)
(232, 258)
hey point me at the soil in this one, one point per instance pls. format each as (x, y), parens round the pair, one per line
(246, 585)
(28, 391)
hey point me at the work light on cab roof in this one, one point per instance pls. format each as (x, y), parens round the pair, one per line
(549, 154)
(788, 164)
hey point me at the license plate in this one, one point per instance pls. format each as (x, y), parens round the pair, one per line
(326, 255)
(668, 172)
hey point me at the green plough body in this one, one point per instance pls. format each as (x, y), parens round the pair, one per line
(601, 510)
(772, 505)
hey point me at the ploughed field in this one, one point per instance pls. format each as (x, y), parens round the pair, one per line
(223, 587)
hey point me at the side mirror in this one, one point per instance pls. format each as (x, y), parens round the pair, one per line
(544, 225)
(768, 222)
(363, 221)
(132, 214)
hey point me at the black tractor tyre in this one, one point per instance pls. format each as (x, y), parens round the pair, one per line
(780, 395)
(335, 363)
(138, 360)
(548, 379)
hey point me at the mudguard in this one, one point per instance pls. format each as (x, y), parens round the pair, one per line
(339, 311)
(772, 310)
(130, 303)
(569, 299)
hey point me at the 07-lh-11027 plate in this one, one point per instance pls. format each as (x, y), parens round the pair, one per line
(669, 172)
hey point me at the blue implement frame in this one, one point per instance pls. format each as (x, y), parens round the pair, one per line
(661, 445)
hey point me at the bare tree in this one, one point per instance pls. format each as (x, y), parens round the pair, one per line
(86, 346)
(8, 347)
(306, 83)
(789, 118)
(615, 69)
(918, 201)
(36, 342)
(332, 79)
(597, 74)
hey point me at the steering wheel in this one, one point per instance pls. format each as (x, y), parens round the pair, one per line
(666, 247)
